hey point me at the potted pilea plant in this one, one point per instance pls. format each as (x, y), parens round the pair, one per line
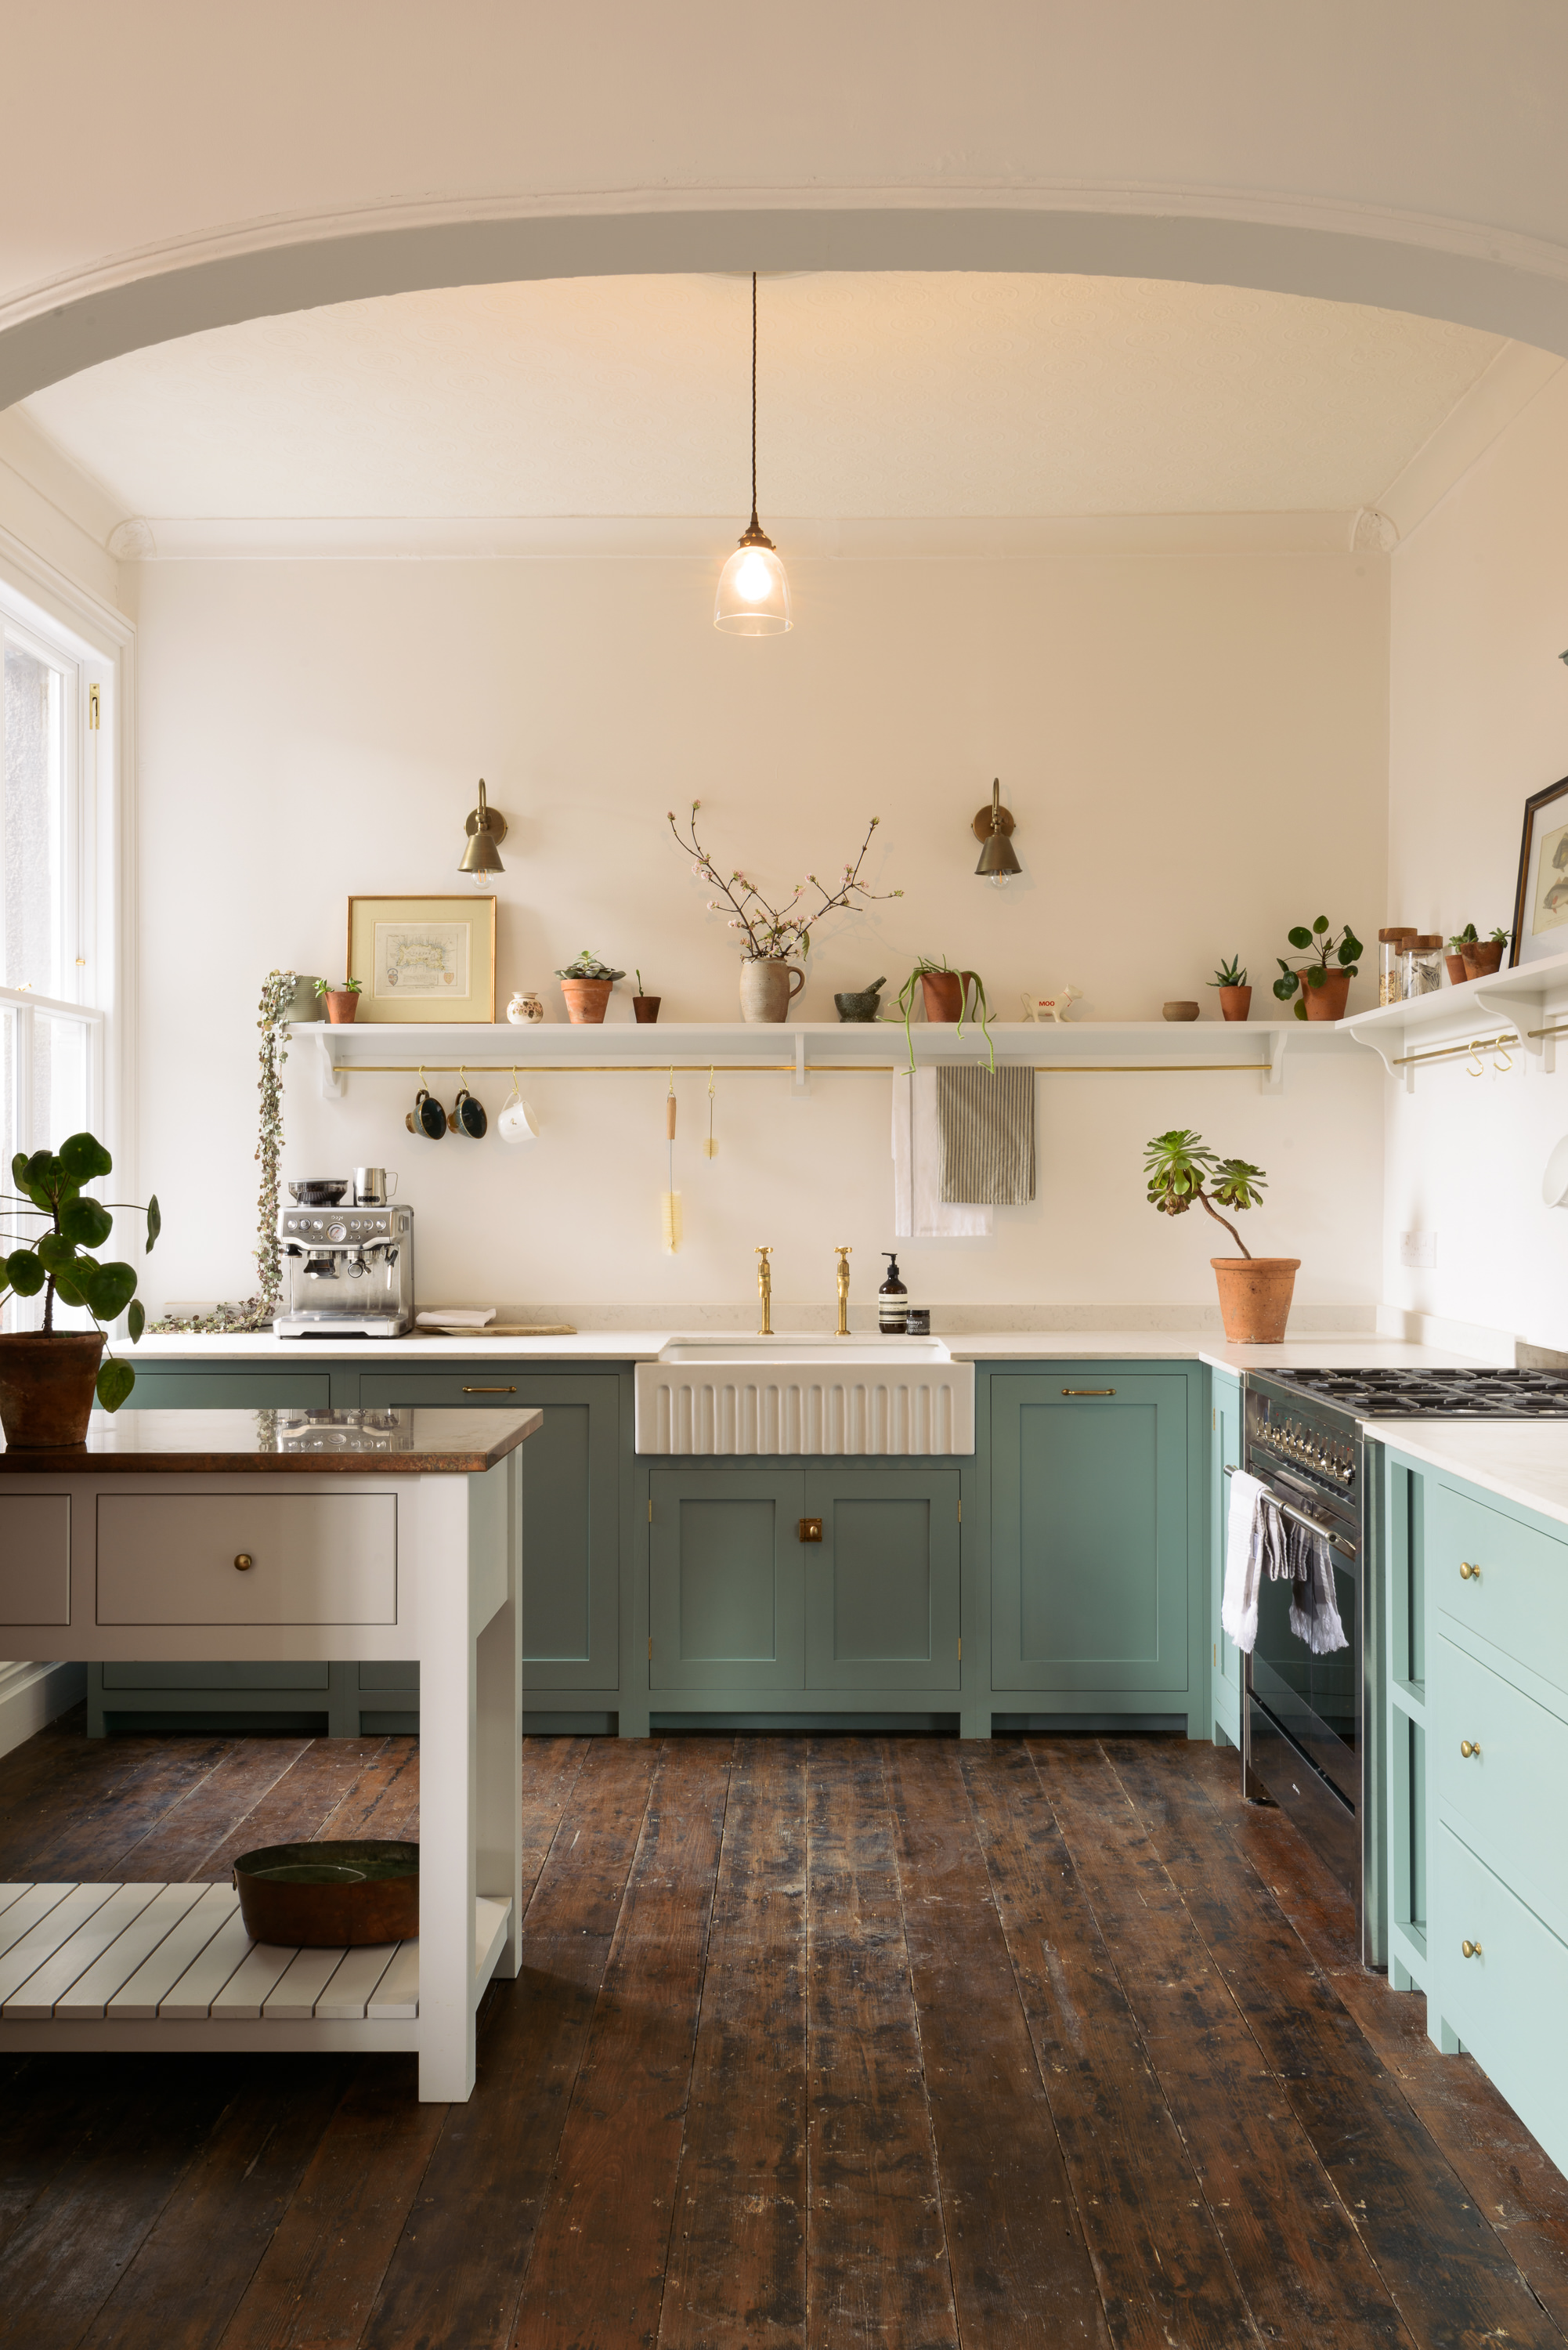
(770, 978)
(1235, 995)
(1254, 1291)
(1323, 990)
(587, 985)
(946, 995)
(342, 1002)
(49, 1377)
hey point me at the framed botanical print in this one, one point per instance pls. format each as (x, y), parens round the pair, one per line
(1540, 900)
(423, 958)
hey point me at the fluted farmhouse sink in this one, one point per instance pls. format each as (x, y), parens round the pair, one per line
(726, 1395)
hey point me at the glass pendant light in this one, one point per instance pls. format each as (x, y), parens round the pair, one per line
(753, 593)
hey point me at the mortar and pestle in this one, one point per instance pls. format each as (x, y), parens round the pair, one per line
(865, 1004)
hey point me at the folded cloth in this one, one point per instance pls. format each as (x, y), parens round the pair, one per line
(1251, 1509)
(1314, 1611)
(918, 1212)
(986, 1119)
(457, 1317)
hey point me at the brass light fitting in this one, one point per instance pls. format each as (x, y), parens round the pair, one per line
(753, 591)
(993, 826)
(486, 829)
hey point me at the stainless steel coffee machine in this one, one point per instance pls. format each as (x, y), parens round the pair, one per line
(348, 1263)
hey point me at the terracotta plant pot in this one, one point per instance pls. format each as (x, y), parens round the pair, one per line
(1457, 974)
(1255, 1296)
(1327, 1001)
(45, 1385)
(769, 988)
(946, 992)
(342, 1003)
(1482, 960)
(1235, 1003)
(587, 1000)
(644, 1009)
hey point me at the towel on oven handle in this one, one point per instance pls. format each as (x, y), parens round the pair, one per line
(1247, 1544)
(1315, 1612)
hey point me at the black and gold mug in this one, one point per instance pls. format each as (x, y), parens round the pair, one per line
(427, 1117)
(468, 1117)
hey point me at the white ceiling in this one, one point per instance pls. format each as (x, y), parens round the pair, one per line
(888, 395)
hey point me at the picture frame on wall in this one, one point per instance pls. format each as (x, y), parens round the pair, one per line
(1540, 899)
(419, 959)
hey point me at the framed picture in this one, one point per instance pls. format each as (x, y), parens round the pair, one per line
(423, 958)
(1540, 900)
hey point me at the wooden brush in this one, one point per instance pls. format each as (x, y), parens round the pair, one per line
(669, 1201)
(709, 1148)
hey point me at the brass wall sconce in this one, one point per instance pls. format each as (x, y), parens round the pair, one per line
(486, 829)
(993, 828)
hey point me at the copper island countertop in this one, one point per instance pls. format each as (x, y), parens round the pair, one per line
(402, 1442)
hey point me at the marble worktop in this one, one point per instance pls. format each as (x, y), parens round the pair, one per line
(1522, 1461)
(410, 1443)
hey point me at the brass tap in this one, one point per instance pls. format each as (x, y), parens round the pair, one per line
(765, 1291)
(845, 1254)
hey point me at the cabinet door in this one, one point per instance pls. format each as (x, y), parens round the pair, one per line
(1089, 1534)
(1224, 1452)
(571, 1510)
(227, 1390)
(726, 1582)
(882, 1586)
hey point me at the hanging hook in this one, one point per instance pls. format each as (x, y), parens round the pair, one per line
(1505, 1047)
(1480, 1068)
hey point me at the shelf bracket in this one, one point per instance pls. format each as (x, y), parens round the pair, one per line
(1388, 1044)
(800, 1084)
(1272, 1081)
(331, 1076)
(1523, 1011)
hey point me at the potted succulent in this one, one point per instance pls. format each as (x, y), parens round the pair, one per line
(587, 985)
(1482, 956)
(946, 995)
(342, 1002)
(645, 1008)
(1323, 990)
(770, 979)
(1235, 995)
(1454, 956)
(1254, 1291)
(49, 1377)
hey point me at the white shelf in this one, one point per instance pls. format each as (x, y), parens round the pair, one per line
(1510, 1002)
(809, 1048)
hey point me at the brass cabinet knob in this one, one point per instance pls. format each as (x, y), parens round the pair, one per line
(1468, 1573)
(811, 1529)
(1468, 1747)
(243, 1560)
(1472, 1949)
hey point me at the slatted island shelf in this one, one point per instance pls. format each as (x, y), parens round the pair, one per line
(402, 1543)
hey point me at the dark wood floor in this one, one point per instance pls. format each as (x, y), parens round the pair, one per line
(821, 2041)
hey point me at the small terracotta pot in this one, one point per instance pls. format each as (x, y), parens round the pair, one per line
(587, 1000)
(1482, 960)
(1327, 1001)
(1235, 1003)
(1255, 1296)
(45, 1385)
(1457, 974)
(946, 992)
(768, 987)
(342, 1003)
(644, 1009)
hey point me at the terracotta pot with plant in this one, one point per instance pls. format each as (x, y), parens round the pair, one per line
(1483, 956)
(342, 1002)
(1324, 987)
(946, 996)
(1254, 1291)
(49, 1377)
(645, 1007)
(1235, 995)
(587, 985)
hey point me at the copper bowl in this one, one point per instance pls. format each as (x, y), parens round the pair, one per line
(328, 1896)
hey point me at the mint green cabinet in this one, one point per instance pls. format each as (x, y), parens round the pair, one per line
(882, 1586)
(726, 1580)
(1091, 1535)
(1224, 1452)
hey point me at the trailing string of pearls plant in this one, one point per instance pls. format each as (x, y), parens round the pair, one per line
(256, 1313)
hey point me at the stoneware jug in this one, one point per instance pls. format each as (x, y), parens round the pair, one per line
(768, 989)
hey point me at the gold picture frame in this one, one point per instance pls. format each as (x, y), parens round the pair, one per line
(423, 959)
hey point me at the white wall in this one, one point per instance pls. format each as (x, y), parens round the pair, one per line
(1479, 720)
(1194, 750)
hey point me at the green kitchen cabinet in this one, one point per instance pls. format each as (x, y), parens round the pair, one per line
(1224, 1656)
(882, 1585)
(726, 1580)
(240, 1389)
(1095, 1607)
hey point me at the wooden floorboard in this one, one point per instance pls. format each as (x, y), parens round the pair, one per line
(818, 2044)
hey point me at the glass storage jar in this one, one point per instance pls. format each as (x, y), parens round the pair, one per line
(1391, 944)
(1421, 965)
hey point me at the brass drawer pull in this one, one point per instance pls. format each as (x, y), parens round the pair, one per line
(243, 1560)
(1468, 1747)
(1468, 1573)
(490, 1392)
(811, 1529)
(1090, 1391)
(1472, 1949)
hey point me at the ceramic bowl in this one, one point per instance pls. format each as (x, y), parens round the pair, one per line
(1180, 1012)
(329, 1896)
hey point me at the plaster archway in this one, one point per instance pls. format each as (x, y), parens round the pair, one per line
(1500, 282)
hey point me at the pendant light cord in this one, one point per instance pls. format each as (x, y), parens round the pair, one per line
(754, 523)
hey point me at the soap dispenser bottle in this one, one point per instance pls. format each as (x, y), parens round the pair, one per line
(892, 1302)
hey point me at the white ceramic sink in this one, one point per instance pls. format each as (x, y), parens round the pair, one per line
(731, 1395)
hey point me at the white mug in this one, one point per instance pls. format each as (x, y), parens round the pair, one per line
(517, 1122)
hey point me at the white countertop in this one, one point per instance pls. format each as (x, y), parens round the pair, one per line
(1524, 1461)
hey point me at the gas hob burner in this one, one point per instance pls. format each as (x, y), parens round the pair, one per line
(1394, 1394)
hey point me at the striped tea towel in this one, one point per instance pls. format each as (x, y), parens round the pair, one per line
(986, 1118)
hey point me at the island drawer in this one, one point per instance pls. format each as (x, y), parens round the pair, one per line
(34, 1558)
(1518, 1749)
(1501, 1998)
(1495, 1580)
(315, 1558)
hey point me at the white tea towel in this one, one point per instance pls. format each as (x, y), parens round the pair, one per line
(1250, 1510)
(456, 1318)
(1314, 1611)
(919, 1211)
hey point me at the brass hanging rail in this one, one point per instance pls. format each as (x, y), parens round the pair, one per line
(1546, 1032)
(787, 1068)
(1452, 1051)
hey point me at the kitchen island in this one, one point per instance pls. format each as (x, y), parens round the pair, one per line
(382, 1536)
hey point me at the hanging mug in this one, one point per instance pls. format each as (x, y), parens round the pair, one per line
(517, 1122)
(427, 1117)
(468, 1117)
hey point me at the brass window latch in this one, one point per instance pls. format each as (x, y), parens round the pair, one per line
(811, 1530)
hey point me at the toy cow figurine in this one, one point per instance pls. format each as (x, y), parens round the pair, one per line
(1051, 1007)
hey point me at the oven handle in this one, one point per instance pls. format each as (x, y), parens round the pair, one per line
(1336, 1542)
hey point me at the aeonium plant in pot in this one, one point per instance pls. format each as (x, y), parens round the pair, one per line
(1254, 1291)
(1235, 995)
(1323, 989)
(49, 1377)
(587, 985)
(342, 1000)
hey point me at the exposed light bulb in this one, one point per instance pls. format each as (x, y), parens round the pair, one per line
(753, 579)
(753, 593)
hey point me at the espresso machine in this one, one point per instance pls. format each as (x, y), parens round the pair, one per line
(348, 1260)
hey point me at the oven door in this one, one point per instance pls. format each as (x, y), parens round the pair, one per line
(1314, 1700)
